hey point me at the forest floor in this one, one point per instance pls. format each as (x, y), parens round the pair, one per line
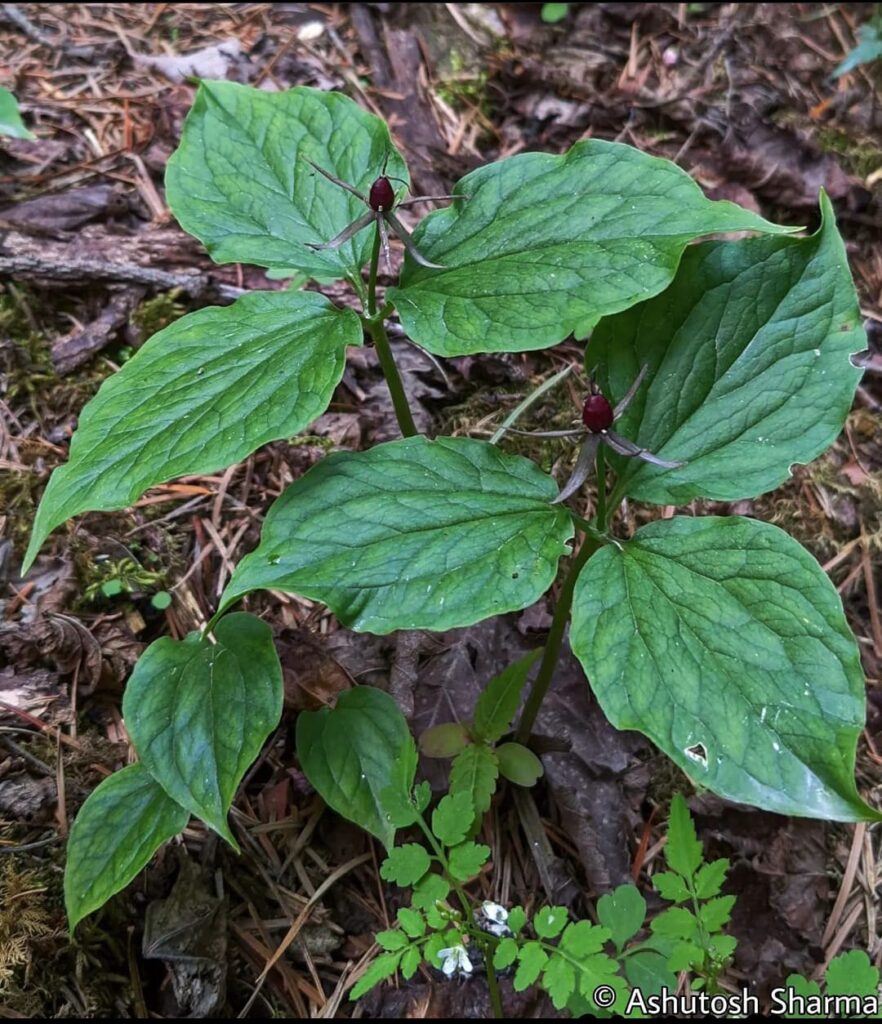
(740, 95)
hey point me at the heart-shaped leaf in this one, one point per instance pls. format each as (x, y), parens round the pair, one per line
(199, 712)
(356, 754)
(413, 534)
(749, 365)
(200, 395)
(723, 641)
(118, 829)
(546, 245)
(240, 181)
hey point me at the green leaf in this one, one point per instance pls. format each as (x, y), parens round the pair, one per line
(382, 967)
(683, 852)
(413, 534)
(412, 922)
(358, 756)
(505, 954)
(410, 962)
(670, 886)
(724, 642)
(710, 877)
(622, 912)
(202, 394)
(498, 703)
(686, 956)
(675, 922)
(430, 890)
(517, 919)
(802, 987)
(546, 245)
(475, 772)
(519, 764)
(852, 974)
(405, 864)
(722, 947)
(467, 859)
(532, 959)
(452, 818)
(199, 712)
(582, 939)
(11, 124)
(559, 980)
(552, 13)
(649, 972)
(446, 740)
(392, 940)
(240, 183)
(715, 913)
(118, 829)
(749, 356)
(549, 922)
(868, 49)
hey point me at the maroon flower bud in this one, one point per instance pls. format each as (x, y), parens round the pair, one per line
(381, 195)
(597, 414)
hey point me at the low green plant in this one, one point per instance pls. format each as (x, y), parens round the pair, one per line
(11, 124)
(715, 366)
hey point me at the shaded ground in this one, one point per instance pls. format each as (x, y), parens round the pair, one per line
(738, 94)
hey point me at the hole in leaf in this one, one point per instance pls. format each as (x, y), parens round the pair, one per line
(697, 752)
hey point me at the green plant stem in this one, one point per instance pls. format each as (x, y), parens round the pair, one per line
(403, 414)
(373, 324)
(477, 933)
(372, 276)
(600, 516)
(555, 639)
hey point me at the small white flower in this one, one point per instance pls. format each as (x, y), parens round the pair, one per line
(495, 919)
(455, 960)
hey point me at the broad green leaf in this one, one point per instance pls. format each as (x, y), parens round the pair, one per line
(118, 829)
(356, 752)
(240, 183)
(710, 878)
(582, 939)
(430, 889)
(475, 772)
(413, 534)
(467, 859)
(675, 922)
(11, 124)
(505, 954)
(382, 967)
(549, 922)
(622, 912)
(546, 245)
(405, 864)
(749, 365)
(531, 961)
(559, 980)
(452, 818)
(852, 974)
(519, 764)
(649, 972)
(412, 922)
(670, 886)
(723, 641)
(410, 962)
(201, 394)
(199, 712)
(498, 703)
(684, 957)
(715, 913)
(392, 939)
(445, 740)
(683, 852)
(517, 919)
